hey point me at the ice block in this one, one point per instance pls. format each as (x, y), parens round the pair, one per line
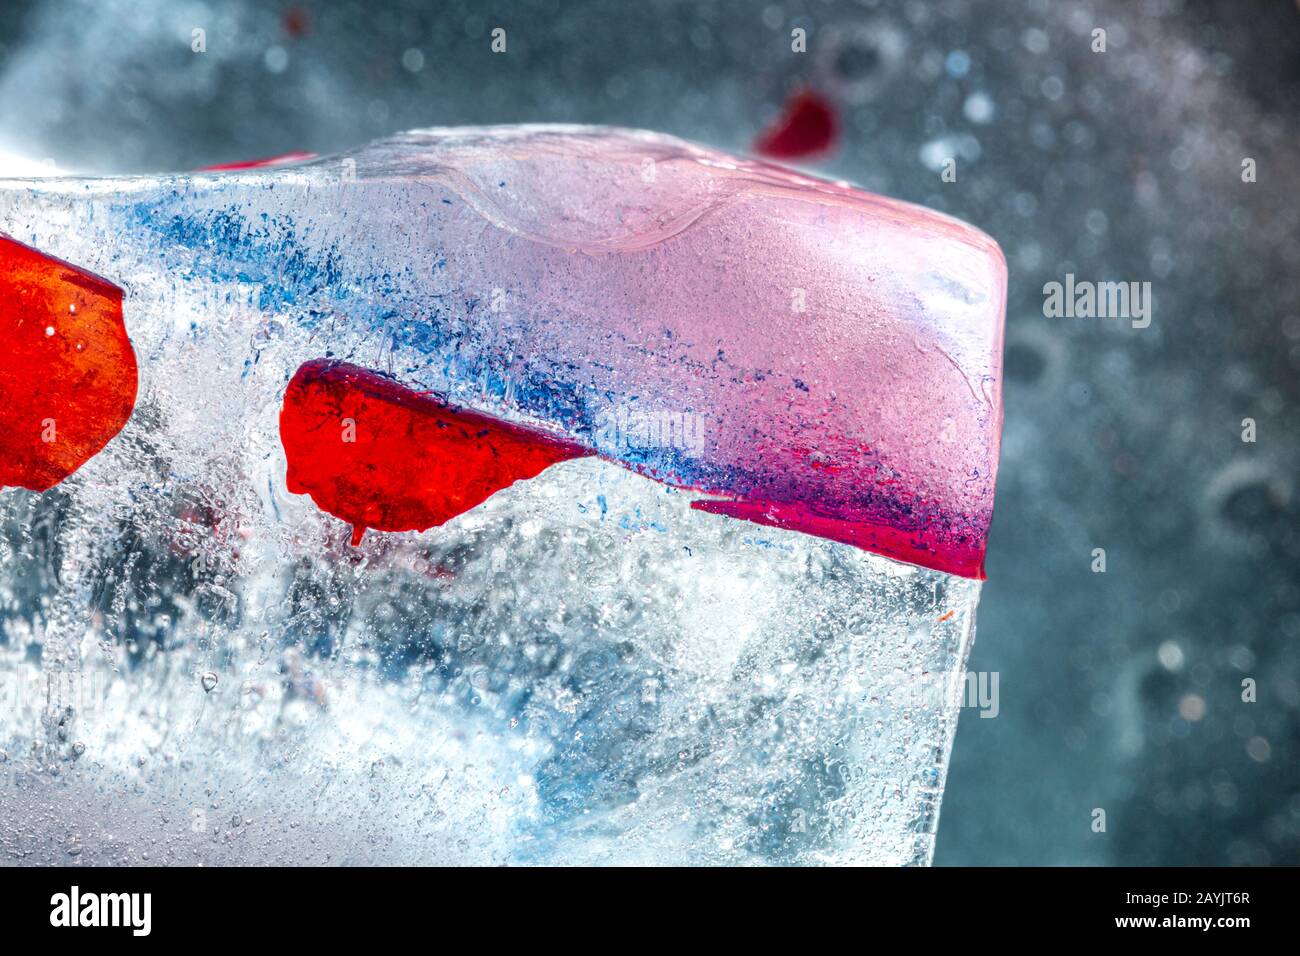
(515, 495)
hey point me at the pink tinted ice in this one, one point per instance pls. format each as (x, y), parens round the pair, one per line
(839, 353)
(803, 354)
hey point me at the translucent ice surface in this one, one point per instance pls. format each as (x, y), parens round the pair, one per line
(690, 642)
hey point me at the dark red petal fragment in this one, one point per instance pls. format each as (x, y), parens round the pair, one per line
(67, 370)
(807, 126)
(296, 22)
(963, 556)
(379, 455)
(285, 159)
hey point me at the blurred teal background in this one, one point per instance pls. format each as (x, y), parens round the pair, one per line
(1119, 691)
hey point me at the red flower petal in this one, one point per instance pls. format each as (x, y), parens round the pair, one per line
(67, 370)
(806, 127)
(379, 455)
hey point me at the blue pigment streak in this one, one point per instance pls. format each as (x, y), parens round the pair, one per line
(312, 285)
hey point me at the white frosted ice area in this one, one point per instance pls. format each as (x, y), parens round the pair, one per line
(583, 669)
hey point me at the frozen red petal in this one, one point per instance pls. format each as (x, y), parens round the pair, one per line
(67, 371)
(379, 455)
(270, 162)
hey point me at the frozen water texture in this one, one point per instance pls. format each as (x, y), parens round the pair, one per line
(829, 359)
(581, 670)
(584, 668)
